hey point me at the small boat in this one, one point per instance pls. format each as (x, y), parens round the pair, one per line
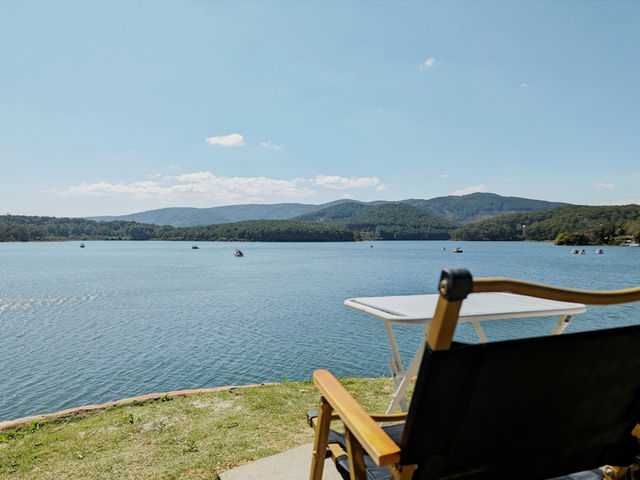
(443, 248)
(81, 245)
(238, 253)
(599, 251)
(575, 251)
(457, 250)
(194, 247)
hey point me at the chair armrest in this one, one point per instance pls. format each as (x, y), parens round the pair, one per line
(590, 297)
(380, 447)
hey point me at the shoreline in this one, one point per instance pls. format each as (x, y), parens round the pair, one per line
(87, 409)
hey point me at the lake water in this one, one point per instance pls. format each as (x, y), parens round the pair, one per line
(118, 319)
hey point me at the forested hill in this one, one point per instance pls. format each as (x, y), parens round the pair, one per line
(387, 221)
(479, 206)
(599, 225)
(190, 217)
(24, 229)
(459, 209)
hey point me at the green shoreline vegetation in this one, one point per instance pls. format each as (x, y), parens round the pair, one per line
(347, 222)
(25, 229)
(566, 225)
(195, 437)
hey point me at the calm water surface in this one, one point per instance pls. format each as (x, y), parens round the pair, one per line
(117, 319)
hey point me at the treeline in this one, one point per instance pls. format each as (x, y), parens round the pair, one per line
(14, 228)
(567, 225)
(588, 225)
(471, 208)
(387, 221)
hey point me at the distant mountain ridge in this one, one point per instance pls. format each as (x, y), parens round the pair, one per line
(459, 209)
(194, 217)
(479, 206)
(383, 221)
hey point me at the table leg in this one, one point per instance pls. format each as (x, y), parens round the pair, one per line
(395, 364)
(399, 398)
(479, 331)
(562, 324)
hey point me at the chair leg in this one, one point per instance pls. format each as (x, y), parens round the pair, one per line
(355, 455)
(404, 472)
(320, 442)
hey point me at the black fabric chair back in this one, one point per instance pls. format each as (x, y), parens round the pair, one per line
(515, 409)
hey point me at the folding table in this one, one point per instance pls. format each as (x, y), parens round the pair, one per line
(477, 307)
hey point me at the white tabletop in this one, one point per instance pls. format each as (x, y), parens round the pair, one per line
(419, 309)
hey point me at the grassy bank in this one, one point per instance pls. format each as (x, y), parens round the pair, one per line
(195, 437)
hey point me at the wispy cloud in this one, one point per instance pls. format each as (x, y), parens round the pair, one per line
(341, 183)
(444, 175)
(210, 189)
(271, 145)
(428, 63)
(469, 189)
(199, 187)
(233, 140)
(524, 85)
(381, 188)
(608, 186)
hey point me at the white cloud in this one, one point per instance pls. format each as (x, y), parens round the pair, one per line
(233, 140)
(524, 85)
(428, 63)
(608, 186)
(271, 145)
(341, 183)
(444, 175)
(347, 196)
(198, 187)
(381, 188)
(206, 188)
(469, 189)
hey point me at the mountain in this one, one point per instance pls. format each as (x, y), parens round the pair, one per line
(190, 217)
(459, 209)
(386, 221)
(478, 206)
(14, 228)
(600, 225)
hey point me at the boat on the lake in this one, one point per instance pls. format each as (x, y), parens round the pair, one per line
(599, 251)
(81, 245)
(195, 247)
(575, 251)
(457, 250)
(238, 253)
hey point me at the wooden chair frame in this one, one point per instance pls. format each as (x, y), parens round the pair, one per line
(363, 433)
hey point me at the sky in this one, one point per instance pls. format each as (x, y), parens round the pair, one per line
(109, 108)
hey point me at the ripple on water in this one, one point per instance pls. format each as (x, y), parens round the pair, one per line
(125, 318)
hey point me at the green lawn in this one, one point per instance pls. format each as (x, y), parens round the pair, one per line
(194, 437)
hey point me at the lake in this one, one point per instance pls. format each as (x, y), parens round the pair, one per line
(118, 319)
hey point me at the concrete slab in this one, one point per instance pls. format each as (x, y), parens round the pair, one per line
(290, 465)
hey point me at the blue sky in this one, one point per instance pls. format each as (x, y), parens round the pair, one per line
(117, 107)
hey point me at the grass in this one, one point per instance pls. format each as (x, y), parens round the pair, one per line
(195, 437)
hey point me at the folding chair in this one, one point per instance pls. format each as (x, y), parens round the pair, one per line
(533, 408)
